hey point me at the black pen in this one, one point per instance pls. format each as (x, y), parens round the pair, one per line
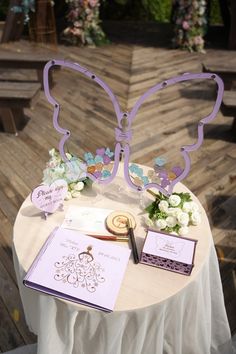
(132, 241)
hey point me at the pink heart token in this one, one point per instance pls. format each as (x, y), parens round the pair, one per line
(49, 198)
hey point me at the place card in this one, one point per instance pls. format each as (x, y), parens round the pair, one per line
(169, 252)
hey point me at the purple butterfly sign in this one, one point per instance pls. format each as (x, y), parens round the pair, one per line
(102, 166)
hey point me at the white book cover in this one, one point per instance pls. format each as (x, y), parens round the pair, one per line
(79, 268)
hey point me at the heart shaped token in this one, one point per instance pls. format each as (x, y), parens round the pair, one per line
(49, 198)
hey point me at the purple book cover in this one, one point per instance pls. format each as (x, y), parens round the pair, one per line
(79, 268)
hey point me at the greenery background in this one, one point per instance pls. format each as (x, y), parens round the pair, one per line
(157, 10)
(145, 10)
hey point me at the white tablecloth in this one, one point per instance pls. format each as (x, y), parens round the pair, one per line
(156, 312)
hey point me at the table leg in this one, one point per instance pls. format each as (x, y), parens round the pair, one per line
(8, 120)
(234, 125)
(19, 117)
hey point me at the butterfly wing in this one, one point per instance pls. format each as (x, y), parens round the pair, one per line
(169, 166)
(101, 164)
(92, 107)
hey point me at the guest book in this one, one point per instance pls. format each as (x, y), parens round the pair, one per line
(79, 268)
(169, 252)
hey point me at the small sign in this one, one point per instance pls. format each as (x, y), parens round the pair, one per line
(49, 198)
(169, 252)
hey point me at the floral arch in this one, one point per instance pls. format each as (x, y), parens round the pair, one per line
(189, 18)
(83, 24)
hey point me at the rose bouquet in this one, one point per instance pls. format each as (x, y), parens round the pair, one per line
(173, 214)
(73, 172)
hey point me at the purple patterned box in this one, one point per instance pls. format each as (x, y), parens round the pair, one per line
(169, 252)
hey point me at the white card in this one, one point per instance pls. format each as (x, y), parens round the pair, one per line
(89, 220)
(170, 247)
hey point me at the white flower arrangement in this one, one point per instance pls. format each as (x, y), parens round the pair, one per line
(73, 172)
(173, 214)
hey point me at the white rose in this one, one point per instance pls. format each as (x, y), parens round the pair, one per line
(177, 212)
(52, 152)
(174, 200)
(149, 222)
(183, 219)
(201, 11)
(160, 224)
(79, 186)
(194, 207)
(195, 218)
(75, 194)
(163, 205)
(68, 196)
(187, 207)
(183, 231)
(174, 211)
(171, 221)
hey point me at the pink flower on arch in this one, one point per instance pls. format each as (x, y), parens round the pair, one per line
(93, 3)
(198, 40)
(185, 25)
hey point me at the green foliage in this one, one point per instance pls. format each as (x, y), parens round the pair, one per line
(215, 15)
(121, 2)
(158, 10)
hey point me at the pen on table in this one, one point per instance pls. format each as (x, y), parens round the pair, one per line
(111, 238)
(132, 241)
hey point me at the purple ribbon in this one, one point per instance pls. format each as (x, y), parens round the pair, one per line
(123, 136)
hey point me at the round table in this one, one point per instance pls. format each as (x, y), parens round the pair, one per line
(156, 311)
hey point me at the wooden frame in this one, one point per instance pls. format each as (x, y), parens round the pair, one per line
(14, 24)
